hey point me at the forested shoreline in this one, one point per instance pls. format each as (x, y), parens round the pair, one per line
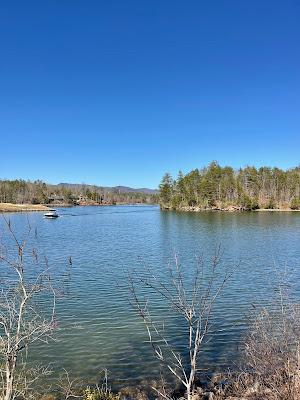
(224, 188)
(19, 191)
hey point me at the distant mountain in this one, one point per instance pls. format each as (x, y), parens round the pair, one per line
(126, 189)
(115, 189)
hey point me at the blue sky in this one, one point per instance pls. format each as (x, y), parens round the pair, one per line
(119, 92)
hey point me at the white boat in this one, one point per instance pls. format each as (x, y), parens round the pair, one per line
(51, 214)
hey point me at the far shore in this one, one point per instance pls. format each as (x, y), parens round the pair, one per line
(11, 207)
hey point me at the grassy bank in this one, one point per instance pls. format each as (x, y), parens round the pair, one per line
(10, 207)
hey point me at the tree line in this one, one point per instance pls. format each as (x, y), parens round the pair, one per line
(216, 187)
(38, 192)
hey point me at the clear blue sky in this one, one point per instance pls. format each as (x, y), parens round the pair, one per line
(121, 91)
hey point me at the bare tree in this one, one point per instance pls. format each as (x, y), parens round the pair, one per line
(192, 296)
(21, 321)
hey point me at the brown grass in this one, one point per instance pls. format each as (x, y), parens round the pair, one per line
(271, 368)
(9, 207)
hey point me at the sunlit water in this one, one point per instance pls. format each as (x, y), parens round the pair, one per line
(98, 327)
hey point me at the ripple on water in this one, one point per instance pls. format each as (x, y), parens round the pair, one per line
(98, 326)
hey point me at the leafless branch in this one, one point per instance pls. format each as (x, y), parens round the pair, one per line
(193, 299)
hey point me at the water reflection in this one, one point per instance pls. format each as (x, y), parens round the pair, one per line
(99, 329)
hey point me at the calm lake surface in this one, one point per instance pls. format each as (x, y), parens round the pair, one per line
(99, 329)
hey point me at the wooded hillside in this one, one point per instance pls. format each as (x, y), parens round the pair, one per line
(38, 192)
(216, 187)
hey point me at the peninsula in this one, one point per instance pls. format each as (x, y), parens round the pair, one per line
(226, 189)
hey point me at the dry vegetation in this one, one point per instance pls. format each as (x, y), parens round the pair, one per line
(10, 207)
(271, 367)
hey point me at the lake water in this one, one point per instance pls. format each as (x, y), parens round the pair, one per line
(98, 327)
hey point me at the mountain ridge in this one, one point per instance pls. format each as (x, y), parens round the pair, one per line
(118, 189)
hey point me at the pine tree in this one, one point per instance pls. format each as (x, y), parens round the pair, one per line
(166, 189)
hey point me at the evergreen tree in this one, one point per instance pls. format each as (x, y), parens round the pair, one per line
(166, 189)
(247, 188)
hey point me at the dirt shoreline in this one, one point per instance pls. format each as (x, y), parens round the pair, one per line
(229, 209)
(277, 209)
(10, 207)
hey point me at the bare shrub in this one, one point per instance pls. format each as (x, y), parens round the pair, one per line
(271, 367)
(272, 352)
